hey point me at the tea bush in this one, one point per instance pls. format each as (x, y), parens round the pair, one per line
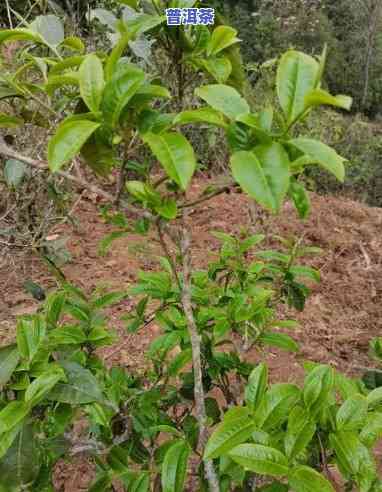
(152, 431)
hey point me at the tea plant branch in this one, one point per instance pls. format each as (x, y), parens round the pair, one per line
(125, 206)
(364, 368)
(185, 245)
(166, 250)
(325, 465)
(224, 189)
(160, 181)
(41, 102)
(43, 166)
(127, 341)
(122, 174)
(7, 151)
(146, 322)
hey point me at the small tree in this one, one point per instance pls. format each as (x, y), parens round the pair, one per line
(53, 372)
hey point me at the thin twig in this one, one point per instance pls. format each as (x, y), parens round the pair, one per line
(368, 369)
(9, 14)
(127, 341)
(43, 166)
(224, 189)
(366, 256)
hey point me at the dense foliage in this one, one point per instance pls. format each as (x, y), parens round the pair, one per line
(155, 430)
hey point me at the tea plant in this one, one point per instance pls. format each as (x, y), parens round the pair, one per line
(373, 377)
(108, 107)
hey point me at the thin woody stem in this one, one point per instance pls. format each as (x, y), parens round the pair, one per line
(7, 151)
(224, 189)
(185, 245)
(43, 166)
(166, 250)
(325, 465)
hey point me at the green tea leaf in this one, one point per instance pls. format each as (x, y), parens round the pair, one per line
(81, 387)
(42, 385)
(91, 82)
(54, 306)
(352, 413)
(104, 16)
(229, 434)
(375, 397)
(296, 77)
(223, 98)
(317, 387)
(175, 154)
(50, 28)
(255, 123)
(179, 361)
(67, 335)
(7, 438)
(119, 90)
(12, 414)
(20, 466)
(30, 336)
(201, 115)
(280, 340)
(350, 453)
(167, 208)
(260, 459)
(221, 38)
(257, 385)
(305, 479)
(67, 142)
(18, 35)
(220, 68)
(73, 43)
(318, 153)
(372, 430)
(276, 405)
(9, 358)
(300, 198)
(263, 174)
(97, 154)
(141, 483)
(174, 468)
(143, 23)
(300, 432)
(318, 97)
(55, 82)
(109, 299)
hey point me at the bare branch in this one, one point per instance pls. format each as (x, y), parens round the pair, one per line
(43, 166)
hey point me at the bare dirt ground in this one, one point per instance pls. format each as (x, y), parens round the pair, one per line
(341, 316)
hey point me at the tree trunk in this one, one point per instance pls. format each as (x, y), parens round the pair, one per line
(374, 13)
(196, 356)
